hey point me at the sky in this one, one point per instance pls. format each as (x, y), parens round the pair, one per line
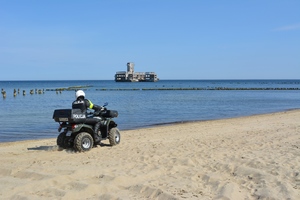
(177, 39)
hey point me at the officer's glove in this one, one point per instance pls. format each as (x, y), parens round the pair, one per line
(103, 108)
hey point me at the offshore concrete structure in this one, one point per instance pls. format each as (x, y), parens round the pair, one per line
(131, 76)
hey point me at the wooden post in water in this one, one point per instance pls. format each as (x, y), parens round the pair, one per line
(3, 92)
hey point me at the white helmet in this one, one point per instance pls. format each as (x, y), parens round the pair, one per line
(79, 93)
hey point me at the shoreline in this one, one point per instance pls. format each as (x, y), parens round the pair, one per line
(167, 124)
(250, 157)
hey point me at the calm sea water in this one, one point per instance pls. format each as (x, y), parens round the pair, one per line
(30, 116)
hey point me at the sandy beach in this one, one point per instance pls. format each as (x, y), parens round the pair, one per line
(256, 157)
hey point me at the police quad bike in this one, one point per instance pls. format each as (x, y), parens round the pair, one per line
(79, 133)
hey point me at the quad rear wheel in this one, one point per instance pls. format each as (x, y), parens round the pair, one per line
(63, 141)
(83, 142)
(114, 136)
(60, 139)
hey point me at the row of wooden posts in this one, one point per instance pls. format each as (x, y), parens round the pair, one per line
(17, 92)
(42, 91)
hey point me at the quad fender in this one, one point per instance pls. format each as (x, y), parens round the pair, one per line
(105, 126)
(83, 128)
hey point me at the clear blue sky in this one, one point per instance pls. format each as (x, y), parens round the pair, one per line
(177, 39)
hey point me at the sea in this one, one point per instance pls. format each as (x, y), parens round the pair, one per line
(140, 104)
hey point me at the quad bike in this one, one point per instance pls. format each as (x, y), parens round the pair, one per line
(78, 133)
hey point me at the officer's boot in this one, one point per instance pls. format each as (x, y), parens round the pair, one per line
(97, 133)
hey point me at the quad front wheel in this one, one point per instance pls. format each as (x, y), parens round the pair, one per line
(114, 136)
(83, 142)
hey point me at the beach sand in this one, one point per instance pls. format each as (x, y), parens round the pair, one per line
(256, 157)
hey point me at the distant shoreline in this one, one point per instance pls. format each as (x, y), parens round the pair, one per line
(205, 120)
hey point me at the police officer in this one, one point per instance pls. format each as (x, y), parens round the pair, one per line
(83, 104)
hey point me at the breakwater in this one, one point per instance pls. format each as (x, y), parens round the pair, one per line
(216, 88)
(70, 88)
(17, 92)
(74, 88)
